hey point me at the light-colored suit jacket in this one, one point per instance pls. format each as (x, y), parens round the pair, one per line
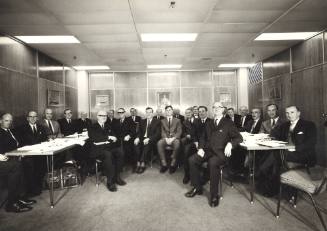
(268, 129)
(174, 130)
(55, 126)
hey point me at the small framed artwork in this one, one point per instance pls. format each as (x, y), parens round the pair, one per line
(102, 100)
(55, 98)
(164, 98)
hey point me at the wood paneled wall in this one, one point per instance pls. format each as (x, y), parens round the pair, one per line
(142, 89)
(297, 76)
(23, 87)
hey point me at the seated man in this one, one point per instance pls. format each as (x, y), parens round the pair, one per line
(234, 117)
(171, 131)
(106, 147)
(188, 142)
(12, 169)
(302, 134)
(245, 117)
(35, 167)
(253, 126)
(68, 126)
(147, 138)
(220, 136)
(83, 123)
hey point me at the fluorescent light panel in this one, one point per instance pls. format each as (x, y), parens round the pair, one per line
(236, 65)
(48, 39)
(87, 68)
(166, 66)
(168, 37)
(285, 36)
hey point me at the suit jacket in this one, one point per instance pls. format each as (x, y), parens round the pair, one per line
(160, 117)
(97, 134)
(304, 137)
(153, 130)
(248, 118)
(135, 122)
(189, 129)
(200, 128)
(215, 138)
(55, 126)
(124, 129)
(111, 122)
(67, 129)
(27, 137)
(268, 129)
(7, 142)
(237, 121)
(175, 129)
(256, 129)
(83, 124)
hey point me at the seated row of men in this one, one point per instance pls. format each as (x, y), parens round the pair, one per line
(198, 140)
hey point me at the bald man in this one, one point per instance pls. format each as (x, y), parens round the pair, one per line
(215, 146)
(106, 147)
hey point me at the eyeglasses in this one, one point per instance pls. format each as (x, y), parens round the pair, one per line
(120, 112)
(215, 107)
(32, 116)
(102, 115)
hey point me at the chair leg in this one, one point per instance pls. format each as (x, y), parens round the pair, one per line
(295, 198)
(221, 183)
(279, 198)
(96, 174)
(318, 212)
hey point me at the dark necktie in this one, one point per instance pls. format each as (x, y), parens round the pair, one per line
(50, 127)
(34, 130)
(273, 122)
(203, 121)
(121, 121)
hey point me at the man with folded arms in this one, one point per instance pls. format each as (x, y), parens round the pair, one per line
(147, 138)
(106, 147)
(12, 168)
(171, 131)
(215, 146)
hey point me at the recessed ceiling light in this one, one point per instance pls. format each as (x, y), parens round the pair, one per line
(166, 66)
(285, 36)
(48, 39)
(53, 68)
(223, 73)
(236, 65)
(168, 37)
(86, 68)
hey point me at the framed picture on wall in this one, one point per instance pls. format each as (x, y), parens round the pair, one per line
(164, 98)
(55, 98)
(102, 100)
(225, 97)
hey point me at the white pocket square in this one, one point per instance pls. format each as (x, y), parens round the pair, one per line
(220, 130)
(299, 133)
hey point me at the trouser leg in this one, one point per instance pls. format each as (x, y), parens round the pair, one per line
(214, 163)
(195, 162)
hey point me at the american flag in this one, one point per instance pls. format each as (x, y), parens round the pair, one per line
(255, 73)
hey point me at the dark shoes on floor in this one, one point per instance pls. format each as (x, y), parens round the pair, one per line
(17, 208)
(193, 192)
(140, 169)
(172, 169)
(120, 181)
(163, 169)
(112, 187)
(25, 201)
(214, 201)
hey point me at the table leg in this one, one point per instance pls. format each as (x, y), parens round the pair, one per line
(251, 174)
(51, 184)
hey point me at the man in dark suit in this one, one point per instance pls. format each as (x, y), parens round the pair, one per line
(68, 125)
(301, 133)
(188, 142)
(111, 117)
(34, 167)
(245, 117)
(201, 122)
(196, 112)
(237, 119)
(147, 138)
(105, 146)
(125, 131)
(171, 131)
(12, 168)
(83, 123)
(253, 126)
(159, 115)
(222, 135)
(134, 119)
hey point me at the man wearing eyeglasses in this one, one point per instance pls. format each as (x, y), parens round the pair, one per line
(215, 146)
(125, 131)
(106, 147)
(34, 167)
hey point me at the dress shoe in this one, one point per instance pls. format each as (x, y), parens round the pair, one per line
(17, 208)
(193, 192)
(163, 169)
(186, 179)
(214, 201)
(136, 169)
(112, 187)
(26, 201)
(120, 182)
(142, 169)
(172, 169)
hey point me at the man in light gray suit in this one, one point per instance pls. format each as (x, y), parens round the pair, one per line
(51, 127)
(171, 131)
(271, 125)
